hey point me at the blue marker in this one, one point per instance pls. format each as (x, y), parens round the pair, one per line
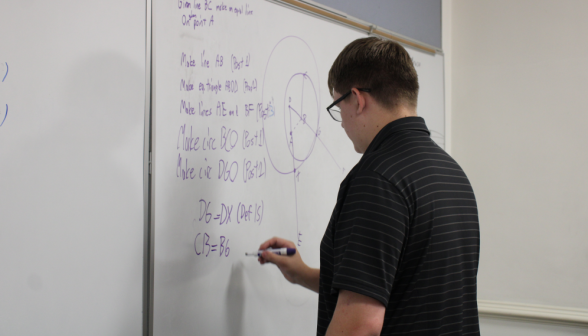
(284, 251)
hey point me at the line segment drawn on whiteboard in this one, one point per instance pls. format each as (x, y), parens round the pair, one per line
(6, 72)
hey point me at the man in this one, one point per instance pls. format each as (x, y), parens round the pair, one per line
(400, 253)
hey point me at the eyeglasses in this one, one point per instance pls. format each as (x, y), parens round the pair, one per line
(335, 111)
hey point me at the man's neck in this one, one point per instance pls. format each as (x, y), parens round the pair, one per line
(383, 117)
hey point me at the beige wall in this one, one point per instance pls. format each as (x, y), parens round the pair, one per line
(519, 119)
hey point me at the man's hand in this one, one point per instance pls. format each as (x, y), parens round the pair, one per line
(356, 314)
(292, 267)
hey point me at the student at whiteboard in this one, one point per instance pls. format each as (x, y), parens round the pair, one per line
(400, 253)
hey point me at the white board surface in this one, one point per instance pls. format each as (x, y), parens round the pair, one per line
(244, 150)
(71, 165)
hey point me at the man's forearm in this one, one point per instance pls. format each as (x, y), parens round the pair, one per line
(310, 279)
(356, 314)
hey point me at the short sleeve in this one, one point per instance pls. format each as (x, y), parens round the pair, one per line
(369, 235)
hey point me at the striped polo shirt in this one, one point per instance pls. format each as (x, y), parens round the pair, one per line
(405, 232)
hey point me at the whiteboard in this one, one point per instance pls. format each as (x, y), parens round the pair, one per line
(244, 150)
(71, 186)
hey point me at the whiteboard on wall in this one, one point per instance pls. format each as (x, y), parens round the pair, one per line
(244, 150)
(71, 167)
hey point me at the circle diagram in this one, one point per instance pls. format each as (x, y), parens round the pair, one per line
(291, 103)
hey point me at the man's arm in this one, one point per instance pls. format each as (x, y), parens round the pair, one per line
(356, 314)
(292, 267)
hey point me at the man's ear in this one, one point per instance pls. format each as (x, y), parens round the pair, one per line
(361, 100)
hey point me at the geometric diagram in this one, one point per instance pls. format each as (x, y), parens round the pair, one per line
(291, 106)
(301, 104)
(290, 94)
(4, 109)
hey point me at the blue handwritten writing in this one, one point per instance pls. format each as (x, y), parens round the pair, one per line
(208, 143)
(252, 170)
(196, 20)
(242, 213)
(222, 7)
(186, 86)
(202, 111)
(207, 5)
(251, 212)
(187, 61)
(210, 86)
(6, 111)
(227, 171)
(185, 107)
(231, 86)
(249, 87)
(265, 112)
(6, 72)
(204, 62)
(203, 244)
(237, 10)
(182, 4)
(206, 171)
(255, 139)
(5, 115)
(224, 217)
(248, 109)
(204, 212)
(229, 139)
(183, 171)
(188, 142)
(239, 63)
(186, 19)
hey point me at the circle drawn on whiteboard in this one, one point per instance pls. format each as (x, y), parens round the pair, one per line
(300, 98)
(290, 95)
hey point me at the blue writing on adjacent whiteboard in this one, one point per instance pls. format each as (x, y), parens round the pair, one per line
(6, 111)
(5, 115)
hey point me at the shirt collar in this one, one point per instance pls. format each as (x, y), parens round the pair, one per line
(398, 125)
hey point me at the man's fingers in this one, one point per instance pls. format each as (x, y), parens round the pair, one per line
(273, 258)
(276, 242)
(267, 243)
(268, 256)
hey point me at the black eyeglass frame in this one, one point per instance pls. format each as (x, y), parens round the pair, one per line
(341, 99)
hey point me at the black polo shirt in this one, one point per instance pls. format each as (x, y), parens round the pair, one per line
(405, 232)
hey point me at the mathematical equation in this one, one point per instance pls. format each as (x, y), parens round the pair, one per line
(203, 246)
(242, 213)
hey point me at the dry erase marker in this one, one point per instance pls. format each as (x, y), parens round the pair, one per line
(284, 251)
